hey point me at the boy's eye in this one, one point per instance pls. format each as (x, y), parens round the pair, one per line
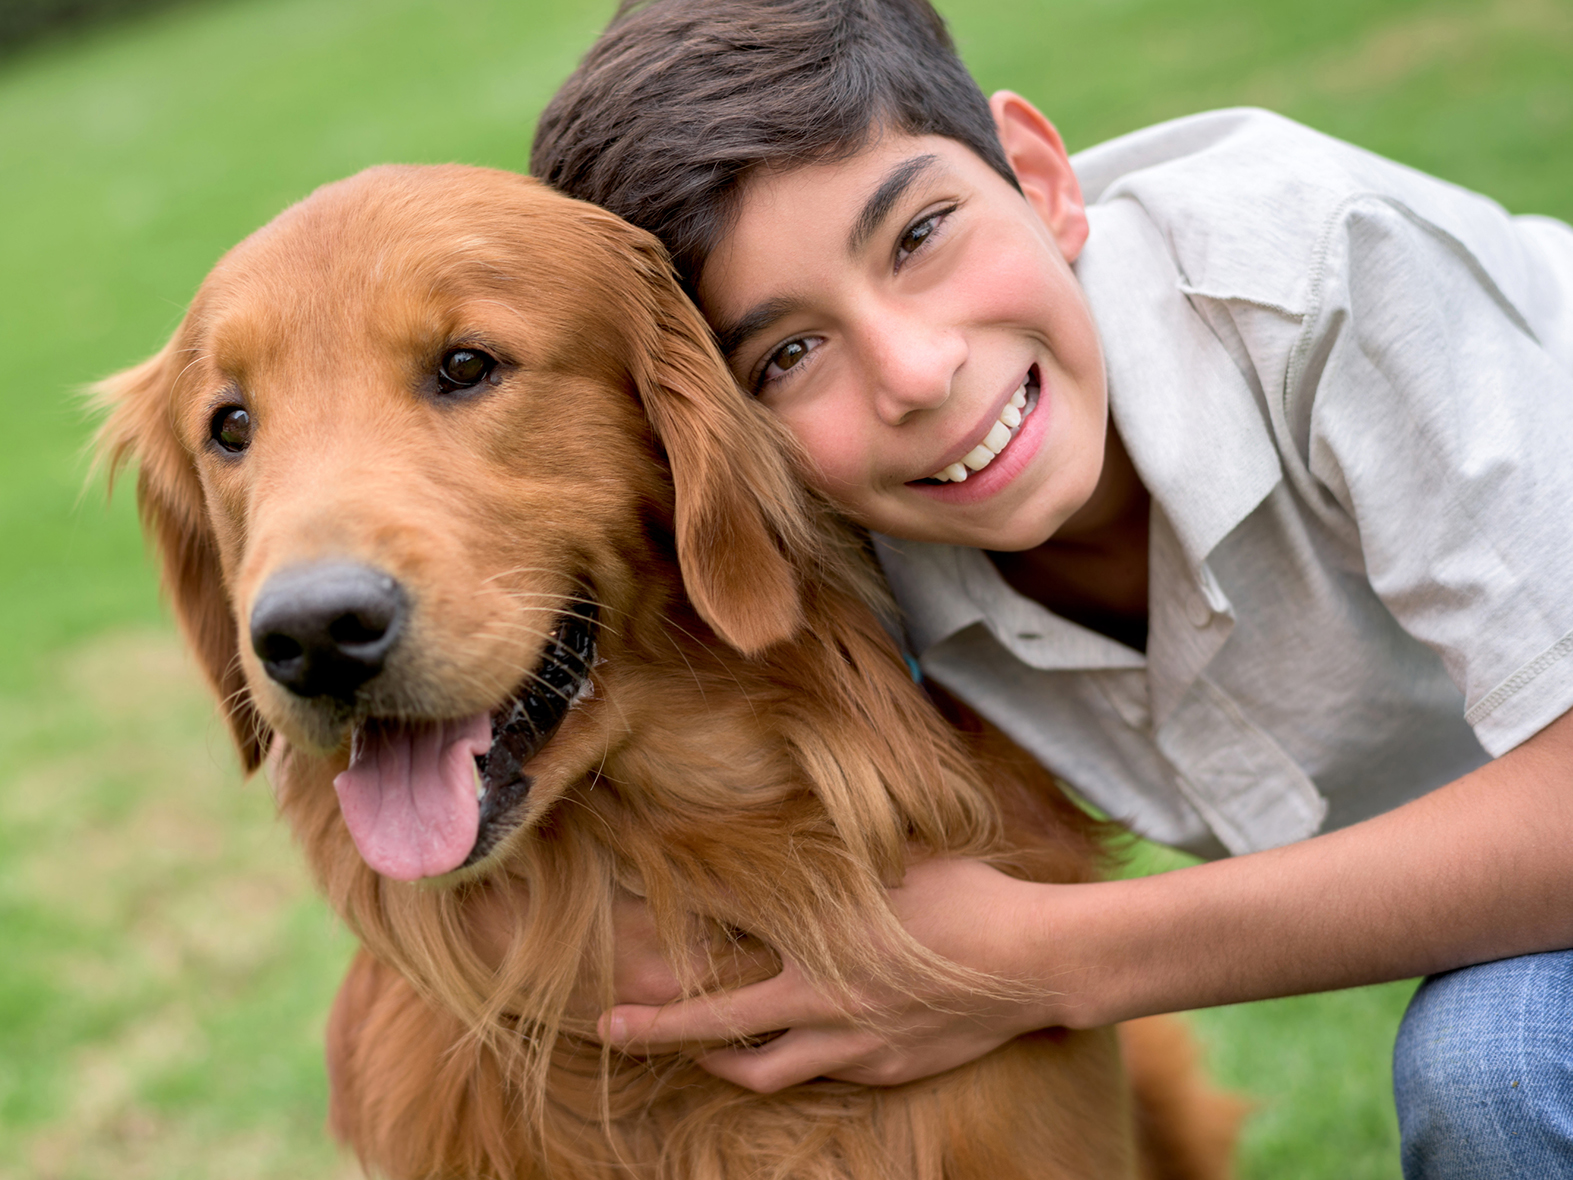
(915, 235)
(788, 355)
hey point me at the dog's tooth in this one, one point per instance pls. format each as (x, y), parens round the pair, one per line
(1019, 398)
(997, 437)
(957, 473)
(1011, 416)
(978, 457)
(480, 783)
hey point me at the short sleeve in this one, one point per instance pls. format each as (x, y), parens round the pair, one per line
(1443, 427)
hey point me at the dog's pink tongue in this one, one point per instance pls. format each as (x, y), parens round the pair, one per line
(409, 795)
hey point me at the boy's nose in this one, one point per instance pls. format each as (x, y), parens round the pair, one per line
(915, 370)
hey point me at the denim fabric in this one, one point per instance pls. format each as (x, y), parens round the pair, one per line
(1483, 1072)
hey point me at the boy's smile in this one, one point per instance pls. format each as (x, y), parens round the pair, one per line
(915, 322)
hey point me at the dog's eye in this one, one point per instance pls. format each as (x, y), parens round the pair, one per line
(464, 368)
(231, 429)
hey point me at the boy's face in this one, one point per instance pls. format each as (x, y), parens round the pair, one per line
(892, 308)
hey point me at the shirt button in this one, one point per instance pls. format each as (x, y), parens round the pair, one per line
(1198, 610)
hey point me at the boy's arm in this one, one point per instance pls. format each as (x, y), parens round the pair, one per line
(1477, 870)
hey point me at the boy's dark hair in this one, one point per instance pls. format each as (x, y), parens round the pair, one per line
(678, 99)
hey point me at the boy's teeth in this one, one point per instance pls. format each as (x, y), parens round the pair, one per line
(993, 442)
(978, 458)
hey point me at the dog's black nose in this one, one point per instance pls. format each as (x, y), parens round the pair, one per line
(325, 629)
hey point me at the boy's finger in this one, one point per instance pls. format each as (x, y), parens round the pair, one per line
(799, 1056)
(792, 1058)
(760, 1008)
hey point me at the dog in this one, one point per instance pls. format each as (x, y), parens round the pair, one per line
(530, 613)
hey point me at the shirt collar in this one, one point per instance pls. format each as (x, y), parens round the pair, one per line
(944, 589)
(1186, 413)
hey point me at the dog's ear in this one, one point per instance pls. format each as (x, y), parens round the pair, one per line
(139, 426)
(742, 522)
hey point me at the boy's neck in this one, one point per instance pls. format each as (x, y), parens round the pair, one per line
(1093, 571)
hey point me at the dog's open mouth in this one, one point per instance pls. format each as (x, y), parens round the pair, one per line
(425, 798)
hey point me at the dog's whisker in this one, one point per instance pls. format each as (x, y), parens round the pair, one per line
(499, 622)
(513, 626)
(195, 360)
(742, 689)
(548, 571)
(692, 672)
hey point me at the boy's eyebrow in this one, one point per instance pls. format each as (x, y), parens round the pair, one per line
(731, 336)
(897, 181)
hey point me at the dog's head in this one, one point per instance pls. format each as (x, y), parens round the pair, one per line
(397, 461)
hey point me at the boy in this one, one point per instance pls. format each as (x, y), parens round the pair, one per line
(1225, 472)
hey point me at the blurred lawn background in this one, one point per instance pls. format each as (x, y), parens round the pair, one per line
(164, 970)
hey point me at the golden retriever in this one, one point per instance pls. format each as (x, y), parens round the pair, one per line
(525, 603)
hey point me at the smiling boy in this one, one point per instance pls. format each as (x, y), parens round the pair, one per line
(1225, 470)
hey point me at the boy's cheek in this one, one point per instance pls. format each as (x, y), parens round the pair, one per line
(839, 464)
(851, 495)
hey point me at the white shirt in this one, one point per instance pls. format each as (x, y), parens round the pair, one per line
(1348, 387)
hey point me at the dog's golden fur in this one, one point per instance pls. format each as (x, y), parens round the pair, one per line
(753, 749)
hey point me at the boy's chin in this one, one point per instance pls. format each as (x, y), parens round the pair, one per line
(943, 525)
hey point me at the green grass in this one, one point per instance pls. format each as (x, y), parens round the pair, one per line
(165, 970)
(166, 967)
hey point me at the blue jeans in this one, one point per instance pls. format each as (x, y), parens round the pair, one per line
(1483, 1072)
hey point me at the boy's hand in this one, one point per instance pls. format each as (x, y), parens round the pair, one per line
(961, 909)
(1476, 870)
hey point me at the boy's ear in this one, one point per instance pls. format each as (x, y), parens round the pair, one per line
(741, 513)
(1037, 155)
(169, 498)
